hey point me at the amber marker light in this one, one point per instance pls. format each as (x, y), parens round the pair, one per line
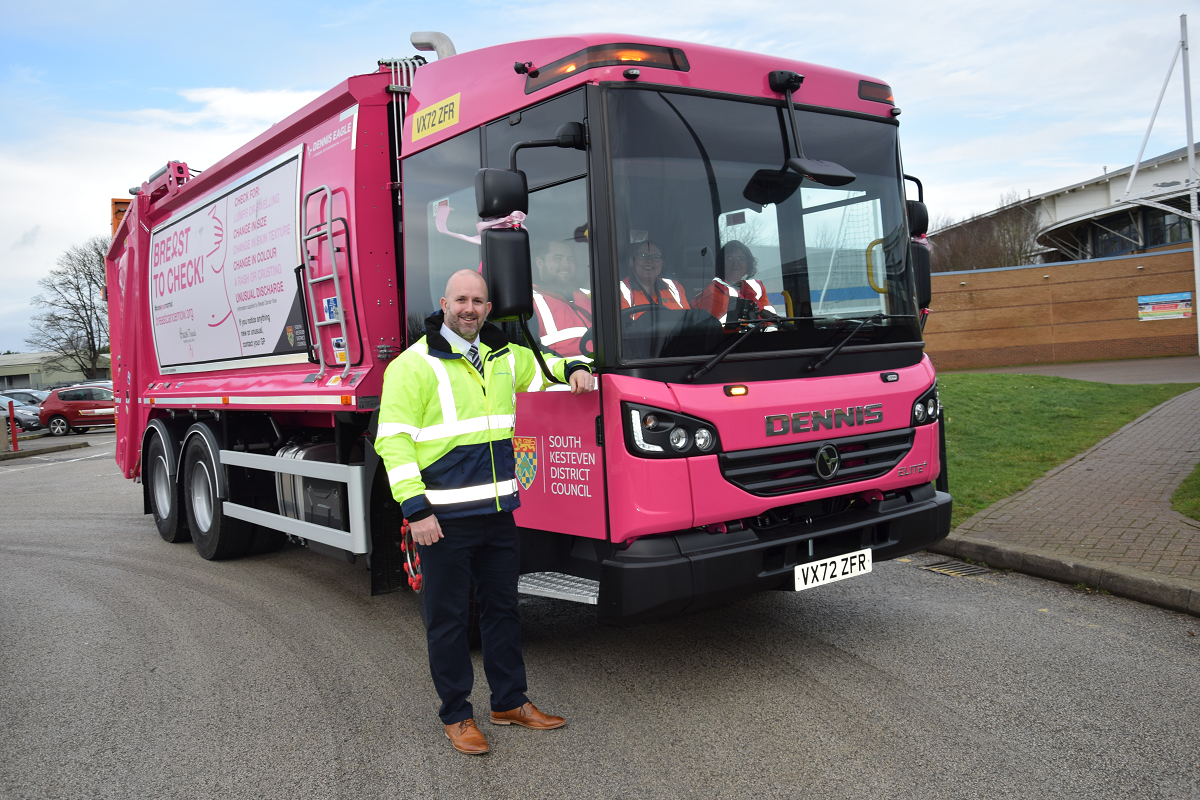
(606, 55)
(346, 399)
(224, 401)
(736, 391)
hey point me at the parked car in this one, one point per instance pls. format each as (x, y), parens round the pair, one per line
(27, 416)
(28, 397)
(77, 408)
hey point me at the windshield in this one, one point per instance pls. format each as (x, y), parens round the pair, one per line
(713, 234)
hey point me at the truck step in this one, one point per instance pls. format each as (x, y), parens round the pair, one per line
(560, 586)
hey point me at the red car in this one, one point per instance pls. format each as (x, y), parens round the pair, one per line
(77, 408)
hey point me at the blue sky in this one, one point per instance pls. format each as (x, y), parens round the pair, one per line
(997, 97)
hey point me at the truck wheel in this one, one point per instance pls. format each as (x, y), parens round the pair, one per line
(215, 535)
(59, 426)
(164, 495)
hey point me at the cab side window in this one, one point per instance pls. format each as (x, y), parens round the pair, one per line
(558, 220)
(439, 221)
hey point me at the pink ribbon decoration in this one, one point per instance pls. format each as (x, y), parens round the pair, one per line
(513, 220)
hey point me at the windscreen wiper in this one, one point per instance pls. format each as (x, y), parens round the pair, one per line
(755, 327)
(825, 359)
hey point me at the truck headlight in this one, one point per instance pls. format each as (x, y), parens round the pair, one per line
(656, 433)
(928, 407)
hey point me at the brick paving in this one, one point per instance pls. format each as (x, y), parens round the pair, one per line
(1112, 504)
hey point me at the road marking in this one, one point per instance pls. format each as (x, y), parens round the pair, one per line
(14, 470)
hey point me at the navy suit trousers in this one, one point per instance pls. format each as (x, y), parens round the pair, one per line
(484, 548)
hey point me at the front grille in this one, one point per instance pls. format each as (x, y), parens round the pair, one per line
(770, 471)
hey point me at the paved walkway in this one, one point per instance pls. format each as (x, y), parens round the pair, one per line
(1176, 369)
(1105, 516)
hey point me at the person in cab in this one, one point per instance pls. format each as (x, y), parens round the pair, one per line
(644, 285)
(564, 310)
(736, 267)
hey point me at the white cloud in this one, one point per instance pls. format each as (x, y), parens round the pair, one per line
(229, 109)
(27, 238)
(117, 152)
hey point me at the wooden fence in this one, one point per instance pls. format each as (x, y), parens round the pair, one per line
(1069, 311)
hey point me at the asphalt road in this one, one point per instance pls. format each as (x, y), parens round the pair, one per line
(132, 668)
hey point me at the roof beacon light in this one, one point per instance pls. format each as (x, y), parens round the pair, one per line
(879, 92)
(607, 55)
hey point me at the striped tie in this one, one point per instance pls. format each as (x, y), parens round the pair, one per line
(473, 354)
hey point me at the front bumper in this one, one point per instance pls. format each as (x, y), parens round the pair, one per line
(663, 576)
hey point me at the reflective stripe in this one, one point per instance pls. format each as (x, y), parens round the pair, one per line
(563, 335)
(445, 430)
(487, 491)
(393, 428)
(445, 390)
(553, 334)
(674, 292)
(732, 294)
(512, 370)
(403, 472)
(756, 286)
(625, 294)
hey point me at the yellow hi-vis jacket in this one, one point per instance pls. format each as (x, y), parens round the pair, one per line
(445, 431)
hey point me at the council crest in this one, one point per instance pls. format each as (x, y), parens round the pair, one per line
(525, 450)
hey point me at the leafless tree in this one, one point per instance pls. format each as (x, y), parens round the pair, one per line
(73, 323)
(1005, 238)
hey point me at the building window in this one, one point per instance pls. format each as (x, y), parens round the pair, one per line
(1115, 235)
(1163, 227)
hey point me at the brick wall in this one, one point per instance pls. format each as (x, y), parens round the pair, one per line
(1071, 311)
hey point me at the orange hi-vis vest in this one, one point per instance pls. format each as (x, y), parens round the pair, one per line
(561, 322)
(667, 293)
(716, 296)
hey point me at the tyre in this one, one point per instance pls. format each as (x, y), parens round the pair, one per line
(58, 425)
(215, 535)
(164, 495)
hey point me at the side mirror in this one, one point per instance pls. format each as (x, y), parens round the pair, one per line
(918, 218)
(500, 192)
(922, 272)
(771, 186)
(570, 134)
(825, 173)
(508, 272)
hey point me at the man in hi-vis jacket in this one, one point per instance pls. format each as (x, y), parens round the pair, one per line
(446, 423)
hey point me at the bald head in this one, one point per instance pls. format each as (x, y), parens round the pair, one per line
(466, 280)
(465, 304)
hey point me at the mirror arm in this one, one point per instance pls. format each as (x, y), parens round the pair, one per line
(787, 93)
(536, 347)
(512, 154)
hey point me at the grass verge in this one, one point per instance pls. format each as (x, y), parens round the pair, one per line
(1186, 499)
(1005, 431)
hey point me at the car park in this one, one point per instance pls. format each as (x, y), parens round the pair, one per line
(77, 408)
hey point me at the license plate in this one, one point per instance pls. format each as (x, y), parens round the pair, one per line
(831, 570)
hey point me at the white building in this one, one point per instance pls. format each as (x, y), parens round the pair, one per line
(1089, 219)
(30, 371)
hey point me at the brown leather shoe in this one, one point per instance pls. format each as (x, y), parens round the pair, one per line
(527, 716)
(467, 738)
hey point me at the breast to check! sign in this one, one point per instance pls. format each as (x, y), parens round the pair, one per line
(222, 285)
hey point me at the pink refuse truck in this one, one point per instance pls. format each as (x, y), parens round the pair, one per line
(792, 441)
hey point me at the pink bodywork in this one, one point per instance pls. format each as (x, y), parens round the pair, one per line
(568, 492)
